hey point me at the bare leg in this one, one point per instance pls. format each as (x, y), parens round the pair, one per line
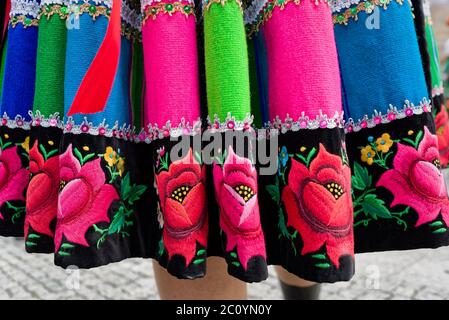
(295, 288)
(216, 285)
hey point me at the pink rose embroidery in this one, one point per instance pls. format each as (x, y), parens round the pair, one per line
(42, 192)
(84, 198)
(13, 178)
(236, 189)
(416, 180)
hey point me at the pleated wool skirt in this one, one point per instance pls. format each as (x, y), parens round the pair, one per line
(343, 97)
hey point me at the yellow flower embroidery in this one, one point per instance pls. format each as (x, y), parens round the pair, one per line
(384, 143)
(368, 154)
(26, 144)
(120, 166)
(110, 156)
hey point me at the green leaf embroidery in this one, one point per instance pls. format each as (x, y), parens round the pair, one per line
(233, 254)
(135, 193)
(436, 224)
(33, 236)
(375, 207)
(273, 190)
(118, 222)
(125, 187)
(201, 252)
(319, 256)
(198, 261)
(361, 179)
(235, 263)
(78, 155)
(30, 244)
(63, 253)
(323, 265)
(67, 246)
(440, 230)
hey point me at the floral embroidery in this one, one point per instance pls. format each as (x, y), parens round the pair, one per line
(384, 143)
(26, 144)
(152, 11)
(13, 179)
(129, 193)
(442, 125)
(368, 155)
(236, 189)
(42, 192)
(318, 203)
(84, 199)
(416, 181)
(365, 6)
(182, 196)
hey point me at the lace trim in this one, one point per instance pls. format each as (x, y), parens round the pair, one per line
(365, 6)
(207, 3)
(28, 8)
(437, 91)
(259, 12)
(338, 5)
(321, 121)
(392, 114)
(154, 132)
(152, 11)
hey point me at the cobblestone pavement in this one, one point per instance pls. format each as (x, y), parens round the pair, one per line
(420, 274)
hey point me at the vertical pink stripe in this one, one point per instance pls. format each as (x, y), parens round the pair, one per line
(303, 72)
(171, 69)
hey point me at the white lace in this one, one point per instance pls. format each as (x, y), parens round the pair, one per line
(337, 5)
(24, 7)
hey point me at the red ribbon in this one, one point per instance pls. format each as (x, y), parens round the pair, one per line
(6, 21)
(94, 90)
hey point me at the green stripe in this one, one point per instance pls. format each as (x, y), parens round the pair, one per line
(2, 68)
(50, 64)
(137, 84)
(434, 58)
(226, 59)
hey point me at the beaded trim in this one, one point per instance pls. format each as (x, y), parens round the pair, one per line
(392, 114)
(207, 3)
(131, 19)
(24, 20)
(28, 8)
(154, 132)
(152, 11)
(365, 6)
(321, 121)
(259, 12)
(145, 3)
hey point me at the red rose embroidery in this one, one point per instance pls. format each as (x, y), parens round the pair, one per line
(183, 203)
(42, 192)
(416, 181)
(236, 189)
(318, 203)
(13, 178)
(442, 125)
(84, 198)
